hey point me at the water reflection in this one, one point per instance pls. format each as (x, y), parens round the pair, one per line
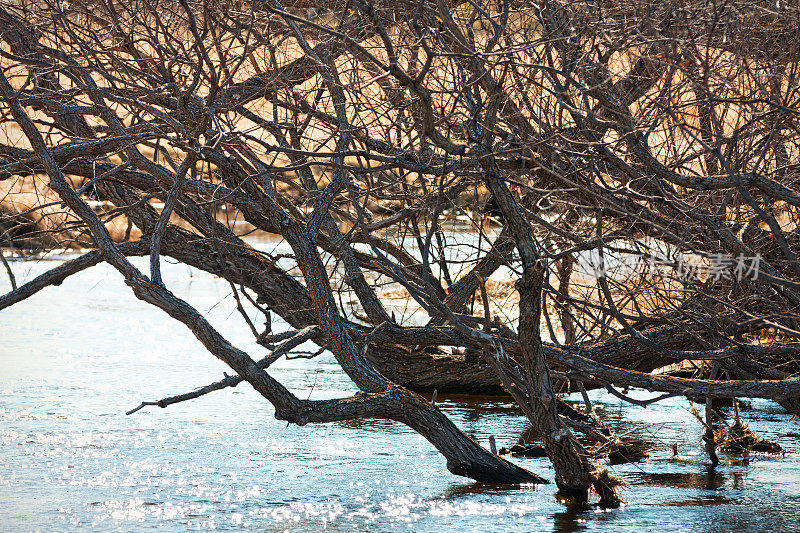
(572, 518)
(708, 478)
(469, 489)
(700, 501)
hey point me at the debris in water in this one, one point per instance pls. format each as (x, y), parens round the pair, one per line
(741, 439)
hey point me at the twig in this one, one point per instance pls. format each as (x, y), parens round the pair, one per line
(711, 446)
(487, 315)
(231, 381)
(8, 269)
(585, 395)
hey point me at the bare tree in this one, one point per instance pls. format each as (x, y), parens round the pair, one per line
(632, 165)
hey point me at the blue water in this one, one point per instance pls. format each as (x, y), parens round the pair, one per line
(74, 358)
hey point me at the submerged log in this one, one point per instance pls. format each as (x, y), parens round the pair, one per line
(524, 450)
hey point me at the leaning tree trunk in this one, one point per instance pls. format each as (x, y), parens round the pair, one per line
(380, 398)
(533, 391)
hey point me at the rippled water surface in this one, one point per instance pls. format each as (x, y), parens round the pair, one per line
(74, 358)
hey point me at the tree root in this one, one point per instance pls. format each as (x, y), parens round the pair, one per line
(606, 485)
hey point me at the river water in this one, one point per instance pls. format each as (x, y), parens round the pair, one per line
(74, 358)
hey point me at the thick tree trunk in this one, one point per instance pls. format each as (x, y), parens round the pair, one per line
(464, 456)
(533, 390)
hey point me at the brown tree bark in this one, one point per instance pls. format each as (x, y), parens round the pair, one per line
(464, 456)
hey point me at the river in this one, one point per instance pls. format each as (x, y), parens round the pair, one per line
(75, 358)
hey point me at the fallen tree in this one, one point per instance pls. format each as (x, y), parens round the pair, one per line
(624, 181)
